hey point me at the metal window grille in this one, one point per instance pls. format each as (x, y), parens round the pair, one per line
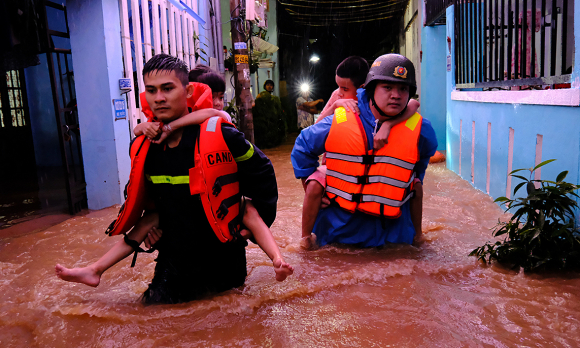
(157, 26)
(435, 11)
(12, 100)
(509, 43)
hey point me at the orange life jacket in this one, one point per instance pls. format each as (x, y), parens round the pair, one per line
(376, 182)
(135, 193)
(214, 178)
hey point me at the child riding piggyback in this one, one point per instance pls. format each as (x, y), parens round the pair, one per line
(350, 76)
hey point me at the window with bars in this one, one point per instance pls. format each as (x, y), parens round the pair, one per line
(12, 102)
(514, 44)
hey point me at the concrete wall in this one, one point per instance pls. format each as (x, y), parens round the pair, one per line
(478, 134)
(433, 79)
(98, 66)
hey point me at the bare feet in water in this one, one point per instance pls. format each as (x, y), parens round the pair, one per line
(282, 269)
(85, 275)
(309, 242)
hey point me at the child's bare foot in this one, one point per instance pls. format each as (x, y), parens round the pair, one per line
(282, 269)
(85, 275)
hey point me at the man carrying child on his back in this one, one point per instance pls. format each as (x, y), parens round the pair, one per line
(375, 193)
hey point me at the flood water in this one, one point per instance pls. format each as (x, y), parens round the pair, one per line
(397, 296)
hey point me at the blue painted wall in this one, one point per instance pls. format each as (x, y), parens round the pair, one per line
(96, 48)
(452, 130)
(559, 126)
(433, 79)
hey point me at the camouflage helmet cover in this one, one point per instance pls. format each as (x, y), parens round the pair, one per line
(392, 68)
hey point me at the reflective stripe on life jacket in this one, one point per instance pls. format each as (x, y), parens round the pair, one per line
(374, 182)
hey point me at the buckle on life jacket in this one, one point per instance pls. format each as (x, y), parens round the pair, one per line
(217, 188)
(222, 211)
(222, 181)
(357, 197)
(225, 204)
(368, 159)
(362, 180)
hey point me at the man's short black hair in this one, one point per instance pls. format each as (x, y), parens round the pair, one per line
(214, 81)
(196, 72)
(269, 82)
(354, 68)
(165, 62)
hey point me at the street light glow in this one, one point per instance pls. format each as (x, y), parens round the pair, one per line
(304, 88)
(314, 59)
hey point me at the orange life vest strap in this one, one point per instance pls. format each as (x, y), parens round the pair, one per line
(367, 179)
(371, 159)
(361, 198)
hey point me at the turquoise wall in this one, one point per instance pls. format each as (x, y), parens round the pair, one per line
(433, 76)
(559, 126)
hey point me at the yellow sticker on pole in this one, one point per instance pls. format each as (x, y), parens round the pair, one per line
(241, 59)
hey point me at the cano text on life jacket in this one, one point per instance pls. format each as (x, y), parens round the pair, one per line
(219, 157)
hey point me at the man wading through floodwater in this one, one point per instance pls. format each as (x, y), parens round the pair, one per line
(196, 180)
(376, 194)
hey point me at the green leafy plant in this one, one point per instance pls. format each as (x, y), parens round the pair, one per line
(541, 234)
(233, 110)
(269, 121)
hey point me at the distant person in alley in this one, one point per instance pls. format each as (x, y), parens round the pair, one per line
(306, 107)
(375, 194)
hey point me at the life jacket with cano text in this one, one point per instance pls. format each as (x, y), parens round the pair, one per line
(214, 176)
(375, 182)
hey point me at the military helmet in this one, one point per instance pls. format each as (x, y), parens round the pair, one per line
(392, 68)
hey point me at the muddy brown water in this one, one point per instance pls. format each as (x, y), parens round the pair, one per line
(397, 296)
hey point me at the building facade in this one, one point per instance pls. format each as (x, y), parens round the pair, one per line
(71, 111)
(510, 82)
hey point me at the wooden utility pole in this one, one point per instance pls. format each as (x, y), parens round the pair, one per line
(242, 70)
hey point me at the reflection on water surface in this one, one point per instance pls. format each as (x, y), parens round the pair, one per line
(397, 296)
